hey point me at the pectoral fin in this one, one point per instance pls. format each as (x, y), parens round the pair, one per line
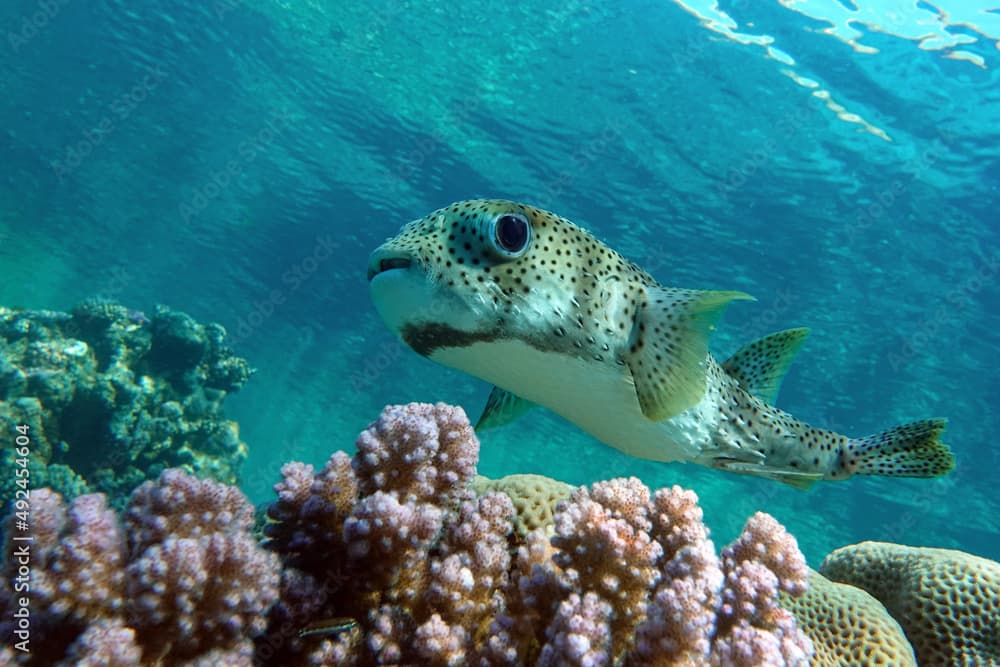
(761, 365)
(669, 345)
(502, 407)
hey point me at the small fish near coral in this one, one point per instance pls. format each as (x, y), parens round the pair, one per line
(537, 306)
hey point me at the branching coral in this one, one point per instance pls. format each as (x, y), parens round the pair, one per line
(433, 576)
(388, 557)
(182, 580)
(83, 559)
(105, 643)
(604, 546)
(753, 629)
(418, 452)
(681, 620)
(408, 551)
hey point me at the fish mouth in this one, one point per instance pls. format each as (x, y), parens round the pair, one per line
(383, 260)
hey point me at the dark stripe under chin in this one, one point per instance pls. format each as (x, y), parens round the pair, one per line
(426, 338)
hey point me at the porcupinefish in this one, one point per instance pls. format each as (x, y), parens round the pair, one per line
(537, 306)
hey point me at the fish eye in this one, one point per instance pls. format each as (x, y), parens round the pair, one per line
(510, 235)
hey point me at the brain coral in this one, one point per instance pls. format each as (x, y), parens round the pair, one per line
(848, 626)
(534, 497)
(948, 602)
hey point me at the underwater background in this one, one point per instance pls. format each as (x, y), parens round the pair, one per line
(238, 161)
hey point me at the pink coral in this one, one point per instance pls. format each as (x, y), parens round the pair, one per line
(439, 643)
(580, 635)
(677, 520)
(533, 595)
(80, 575)
(181, 505)
(194, 582)
(605, 547)
(417, 560)
(651, 561)
(307, 521)
(389, 558)
(195, 590)
(389, 540)
(105, 643)
(474, 561)
(197, 580)
(752, 628)
(419, 452)
(681, 618)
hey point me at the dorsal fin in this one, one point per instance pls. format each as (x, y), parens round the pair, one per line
(669, 346)
(761, 365)
(502, 407)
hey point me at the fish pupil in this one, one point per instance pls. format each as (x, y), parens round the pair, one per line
(512, 233)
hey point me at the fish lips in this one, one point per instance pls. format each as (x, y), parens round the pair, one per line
(399, 288)
(418, 309)
(386, 259)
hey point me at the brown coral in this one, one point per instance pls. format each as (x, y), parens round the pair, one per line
(681, 618)
(948, 602)
(848, 626)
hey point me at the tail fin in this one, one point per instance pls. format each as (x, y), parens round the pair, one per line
(911, 450)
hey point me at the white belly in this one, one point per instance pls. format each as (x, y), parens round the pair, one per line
(599, 398)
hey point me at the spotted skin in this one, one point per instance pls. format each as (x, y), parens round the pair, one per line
(760, 365)
(562, 280)
(574, 326)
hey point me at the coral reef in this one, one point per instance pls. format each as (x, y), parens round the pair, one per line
(181, 580)
(534, 496)
(948, 602)
(848, 626)
(408, 566)
(112, 398)
(390, 557)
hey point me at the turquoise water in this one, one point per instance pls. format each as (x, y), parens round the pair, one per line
(239, 160)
